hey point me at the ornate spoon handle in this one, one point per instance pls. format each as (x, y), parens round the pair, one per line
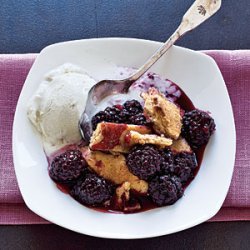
(199, 12)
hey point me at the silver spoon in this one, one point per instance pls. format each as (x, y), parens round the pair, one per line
(200, 11)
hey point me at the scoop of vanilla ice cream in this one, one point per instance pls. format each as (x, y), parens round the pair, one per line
(57, 105)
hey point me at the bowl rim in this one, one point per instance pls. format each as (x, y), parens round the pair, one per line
(107, 234)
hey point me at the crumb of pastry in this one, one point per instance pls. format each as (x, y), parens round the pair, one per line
(160, 141)
(181, 145)
(123, 200)
(165, 115)
(123, 191)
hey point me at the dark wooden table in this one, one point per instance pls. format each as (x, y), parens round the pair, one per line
(226, 235)
(28, 26)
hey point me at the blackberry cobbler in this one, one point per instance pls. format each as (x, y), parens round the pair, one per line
(142, 154)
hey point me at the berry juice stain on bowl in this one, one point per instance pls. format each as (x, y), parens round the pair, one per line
(146, 147)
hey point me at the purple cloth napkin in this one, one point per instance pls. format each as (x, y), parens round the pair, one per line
(235, 67)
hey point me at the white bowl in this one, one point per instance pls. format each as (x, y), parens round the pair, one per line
(196, 73)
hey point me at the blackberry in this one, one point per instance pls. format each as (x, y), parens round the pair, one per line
(67, 167)
(165, 190)
(197, 128)
(92, 190)
(131, 112)
(110, 114)
(178, 185)
(97, 118)
(184, 165)
(139, 119)
(133, 107)
(168, 161)
(113, 114)
(144, 161)
(124, 116)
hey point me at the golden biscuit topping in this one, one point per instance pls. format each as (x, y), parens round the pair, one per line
(165, 115)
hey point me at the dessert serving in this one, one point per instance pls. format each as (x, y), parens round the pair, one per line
(145, 149)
